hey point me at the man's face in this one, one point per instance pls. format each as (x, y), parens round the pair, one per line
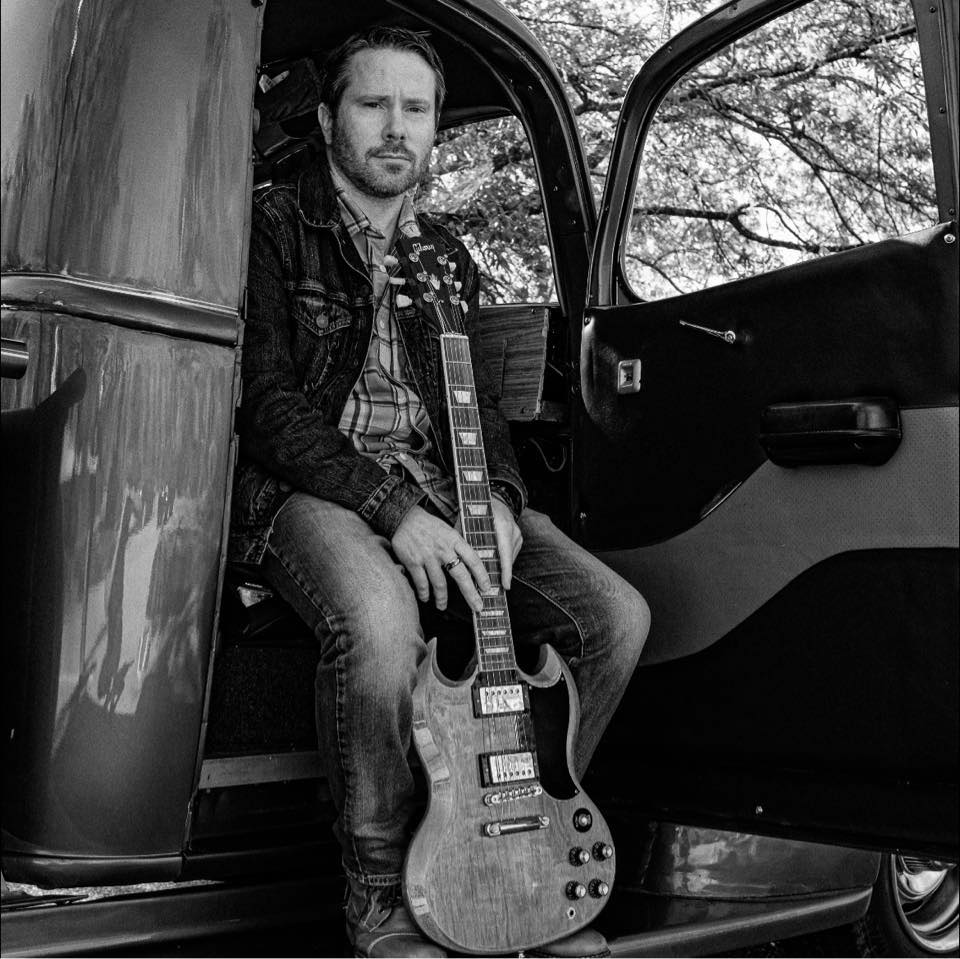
(383, 131)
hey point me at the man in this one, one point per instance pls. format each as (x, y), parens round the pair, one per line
(343, 491)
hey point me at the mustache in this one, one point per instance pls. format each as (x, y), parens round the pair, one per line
(393, 153)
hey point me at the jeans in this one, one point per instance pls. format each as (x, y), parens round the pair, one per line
(343, 580)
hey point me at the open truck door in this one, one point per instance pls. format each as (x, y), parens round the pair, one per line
(770, 454)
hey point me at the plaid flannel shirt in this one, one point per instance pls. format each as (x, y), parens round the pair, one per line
(384, 417)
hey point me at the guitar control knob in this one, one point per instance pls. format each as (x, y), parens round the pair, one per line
(582, 820)
(598, 888)
(576, 890)
(579, 857)
(602, 851)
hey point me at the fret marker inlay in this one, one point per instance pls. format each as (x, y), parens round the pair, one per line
(462, 396)
(468, 439)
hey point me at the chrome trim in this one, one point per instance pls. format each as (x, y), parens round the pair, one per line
(13, 359)
(121, 306)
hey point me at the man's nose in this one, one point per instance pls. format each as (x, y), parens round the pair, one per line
(394, 127)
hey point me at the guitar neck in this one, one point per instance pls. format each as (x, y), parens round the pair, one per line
(494, 638)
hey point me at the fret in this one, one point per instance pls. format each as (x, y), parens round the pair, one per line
(494, 639)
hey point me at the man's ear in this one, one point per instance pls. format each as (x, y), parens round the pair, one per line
(326, 122)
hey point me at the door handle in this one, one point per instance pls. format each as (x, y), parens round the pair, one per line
(13, 358)
(857, 430)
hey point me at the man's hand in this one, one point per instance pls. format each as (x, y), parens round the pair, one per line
(509, 538)
(425, 544)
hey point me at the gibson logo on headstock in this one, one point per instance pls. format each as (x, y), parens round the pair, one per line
(416, 248)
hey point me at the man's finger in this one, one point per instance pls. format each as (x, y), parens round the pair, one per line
(420, 583)
(474, 566)
(505, 549)
(438, 581)
(460, 574)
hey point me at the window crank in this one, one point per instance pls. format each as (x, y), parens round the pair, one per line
(728, 336)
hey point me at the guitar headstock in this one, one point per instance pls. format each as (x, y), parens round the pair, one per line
(431, 277)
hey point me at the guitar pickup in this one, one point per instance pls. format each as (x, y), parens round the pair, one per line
(499, 768)
(499, 700)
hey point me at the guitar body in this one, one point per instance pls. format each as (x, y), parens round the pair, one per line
(494, 894)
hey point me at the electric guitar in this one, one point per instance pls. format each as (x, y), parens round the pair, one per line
(511, 853)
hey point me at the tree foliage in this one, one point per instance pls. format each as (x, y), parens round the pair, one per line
(807, 137)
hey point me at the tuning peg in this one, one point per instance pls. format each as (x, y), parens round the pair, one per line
(390, 261)
(403, 300)
(397, 280)
(458, 285)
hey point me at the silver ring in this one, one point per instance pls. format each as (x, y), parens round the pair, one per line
(452, 564)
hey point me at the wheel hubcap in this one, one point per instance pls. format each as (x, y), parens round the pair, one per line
(928, 901)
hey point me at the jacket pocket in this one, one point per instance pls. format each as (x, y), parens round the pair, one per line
(319, 331)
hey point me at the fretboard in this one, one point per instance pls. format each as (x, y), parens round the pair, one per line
(495, 652)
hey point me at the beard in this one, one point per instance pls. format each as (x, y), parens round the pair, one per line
(373, 177)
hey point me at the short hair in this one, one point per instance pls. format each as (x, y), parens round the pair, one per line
(337, 63)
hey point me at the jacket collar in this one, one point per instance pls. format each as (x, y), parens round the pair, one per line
(316, 195)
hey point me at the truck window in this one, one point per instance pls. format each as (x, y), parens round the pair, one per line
(484, 188)
(807, 137)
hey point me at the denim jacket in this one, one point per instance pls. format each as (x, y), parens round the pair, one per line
(308, 327)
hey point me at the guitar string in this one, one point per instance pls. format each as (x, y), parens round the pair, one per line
(462, 350)
(519, 726)
(486, 726)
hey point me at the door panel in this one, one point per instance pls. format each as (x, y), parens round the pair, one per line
(801, 672)
(865, 323)
(780, 522)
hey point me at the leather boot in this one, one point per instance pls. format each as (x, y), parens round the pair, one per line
(378, 924)
(585, 944)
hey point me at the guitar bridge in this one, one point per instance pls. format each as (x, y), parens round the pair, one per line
(506, 827)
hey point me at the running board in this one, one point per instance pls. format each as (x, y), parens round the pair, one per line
(178, 913)
(175, 913)
(750, 924)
